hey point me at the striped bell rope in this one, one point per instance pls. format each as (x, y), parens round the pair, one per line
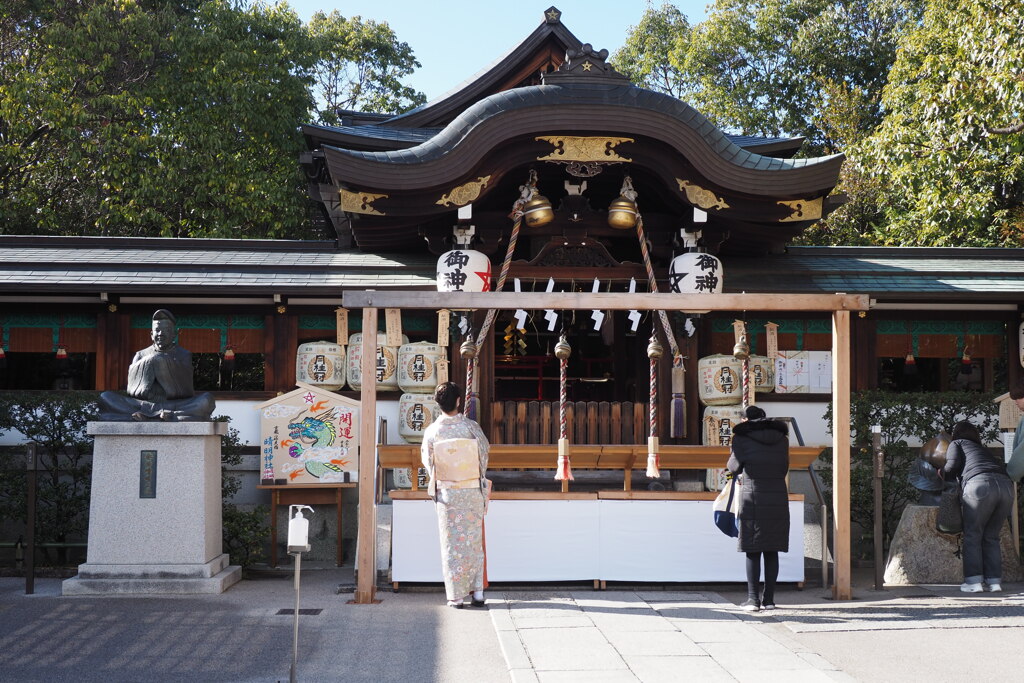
(654, 353)
(563, 472)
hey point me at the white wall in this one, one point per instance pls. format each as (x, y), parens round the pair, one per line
(809, 417)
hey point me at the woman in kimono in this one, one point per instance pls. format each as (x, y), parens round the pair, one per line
(454, 452)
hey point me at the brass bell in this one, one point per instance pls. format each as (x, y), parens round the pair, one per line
(741, 351)
(622, 213)
(562, 349)
(655, 349)
(538, 212)
(468, 349)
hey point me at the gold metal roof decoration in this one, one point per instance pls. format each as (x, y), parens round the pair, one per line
(700, 197)
(360, 202)
(569, 148)
(465, 193)
(802, 210)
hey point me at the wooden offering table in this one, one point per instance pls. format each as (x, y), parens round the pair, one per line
(625, 535)
(304, 494)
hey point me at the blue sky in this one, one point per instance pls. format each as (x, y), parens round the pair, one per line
(453, 39)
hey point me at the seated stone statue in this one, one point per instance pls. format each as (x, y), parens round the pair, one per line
(159, 382)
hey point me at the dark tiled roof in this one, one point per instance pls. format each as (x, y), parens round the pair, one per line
(204, 267)
(336, 135)
(31, 265)
(613, 107)
(895, 274)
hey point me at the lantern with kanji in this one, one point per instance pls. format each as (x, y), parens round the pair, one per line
(695, 272)
(463, 270)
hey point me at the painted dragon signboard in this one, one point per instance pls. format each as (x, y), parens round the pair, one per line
(309, 436)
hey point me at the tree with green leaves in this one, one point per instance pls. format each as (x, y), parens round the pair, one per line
(174, 118)
(647, 55)
(361, 66)
(813, 68)
(949, 152)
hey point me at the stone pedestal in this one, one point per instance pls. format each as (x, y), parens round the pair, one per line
(155, 514)
(919, 554)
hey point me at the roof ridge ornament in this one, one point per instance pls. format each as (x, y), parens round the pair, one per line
(584, 63)
(552, 15)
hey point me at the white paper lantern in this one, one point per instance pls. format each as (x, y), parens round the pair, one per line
(695, 273)
(463, 270)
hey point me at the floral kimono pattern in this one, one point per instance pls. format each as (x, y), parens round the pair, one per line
(460, 511)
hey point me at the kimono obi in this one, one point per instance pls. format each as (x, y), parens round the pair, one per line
(457, 464)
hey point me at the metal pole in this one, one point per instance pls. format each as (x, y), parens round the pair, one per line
(30, 519)
(876, 446)
(295, 633)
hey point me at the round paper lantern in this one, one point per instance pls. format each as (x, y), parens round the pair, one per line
(463, 270)
(695, 272)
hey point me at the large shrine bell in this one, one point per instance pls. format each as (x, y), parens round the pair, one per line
(622, 213)
(538, 211)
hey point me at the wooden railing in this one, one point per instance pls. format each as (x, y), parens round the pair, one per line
(589, 422)
(590, 456)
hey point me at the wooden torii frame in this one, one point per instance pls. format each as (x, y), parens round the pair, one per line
(840, 305)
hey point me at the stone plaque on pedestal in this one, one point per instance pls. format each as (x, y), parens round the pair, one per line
(155, 522)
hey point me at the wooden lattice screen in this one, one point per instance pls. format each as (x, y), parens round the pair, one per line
(590, 422)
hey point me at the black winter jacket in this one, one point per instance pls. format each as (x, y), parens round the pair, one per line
(966, 459)
(760, 451)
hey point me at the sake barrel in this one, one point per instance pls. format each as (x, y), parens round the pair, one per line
(321, 364)
(718, 423)
(415, 413)
(719, 380)
(417, 366)
(387, 362)
(762, 374)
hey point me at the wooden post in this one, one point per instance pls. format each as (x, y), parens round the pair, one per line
(366, 543)
(842, 588)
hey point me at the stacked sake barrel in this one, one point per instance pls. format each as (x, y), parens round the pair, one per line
(417, 377)
(387, 362)
(720, 387)
(321, 364)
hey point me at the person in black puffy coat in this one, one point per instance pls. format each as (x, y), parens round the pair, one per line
(760, 452)
(986, 501)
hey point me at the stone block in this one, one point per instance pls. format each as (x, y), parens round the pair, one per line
(919, 554)
(168, 539)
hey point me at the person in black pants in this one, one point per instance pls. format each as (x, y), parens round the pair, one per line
(760, 452)
(986, 501)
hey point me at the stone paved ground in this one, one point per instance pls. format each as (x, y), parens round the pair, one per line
(931, 634)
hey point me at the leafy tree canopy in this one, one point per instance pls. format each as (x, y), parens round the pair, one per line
(646, 56)
(948, 152)
(169, 118)
(361, 67)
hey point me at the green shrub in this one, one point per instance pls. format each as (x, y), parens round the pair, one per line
(245, 531)
(56, 421)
